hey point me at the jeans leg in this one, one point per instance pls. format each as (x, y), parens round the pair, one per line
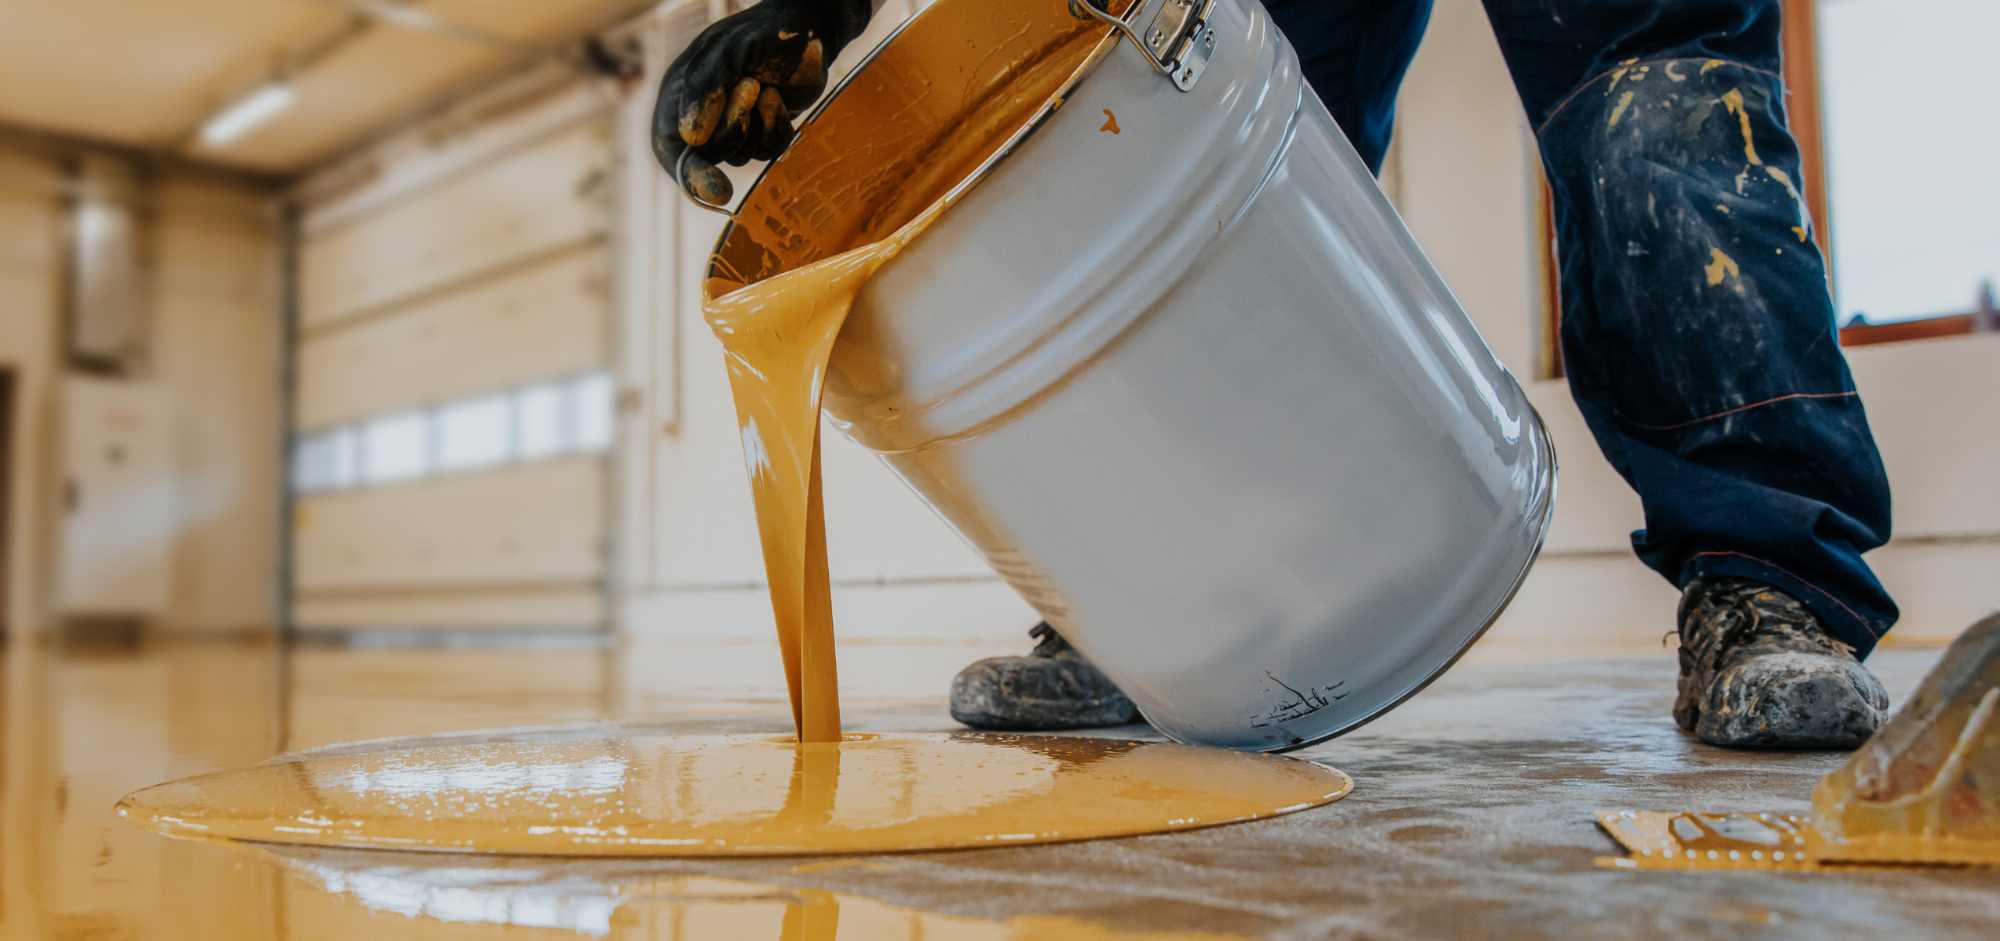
(1355, 53)
(1697, 327)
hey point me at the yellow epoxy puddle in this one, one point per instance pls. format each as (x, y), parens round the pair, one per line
(648, 792)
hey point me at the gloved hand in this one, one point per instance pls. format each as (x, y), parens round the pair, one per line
(731, 97)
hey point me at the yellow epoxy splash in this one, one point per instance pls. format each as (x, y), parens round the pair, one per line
(640, 792)
(1720, 267)
(1733, 100)
(1618, 113)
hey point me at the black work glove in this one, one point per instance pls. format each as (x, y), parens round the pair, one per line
(730, 98)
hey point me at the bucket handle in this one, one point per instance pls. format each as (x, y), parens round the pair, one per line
(1180, 27)
(1178, 44)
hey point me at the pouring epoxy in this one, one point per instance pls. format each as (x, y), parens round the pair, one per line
(779, 333)
(649, 792)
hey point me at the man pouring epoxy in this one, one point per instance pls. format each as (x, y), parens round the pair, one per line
(1697, 326)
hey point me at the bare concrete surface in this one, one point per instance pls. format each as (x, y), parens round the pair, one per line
(1472, 817)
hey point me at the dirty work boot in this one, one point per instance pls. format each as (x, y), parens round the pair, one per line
(1758, 671)
(1049, 689)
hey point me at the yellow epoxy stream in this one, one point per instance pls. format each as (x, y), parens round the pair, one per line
(779, 332)
(778, 335)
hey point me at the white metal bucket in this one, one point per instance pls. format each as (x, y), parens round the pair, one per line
(1194, 391)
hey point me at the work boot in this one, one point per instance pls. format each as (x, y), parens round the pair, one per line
(1758, 671)
(1052, 688)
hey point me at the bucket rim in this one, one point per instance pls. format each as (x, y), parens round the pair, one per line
(1107, 44)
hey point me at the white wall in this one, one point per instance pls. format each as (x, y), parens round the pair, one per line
(1467, 180)
(218, 331)
(214, 346)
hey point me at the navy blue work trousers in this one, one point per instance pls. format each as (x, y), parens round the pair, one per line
(1697, 332)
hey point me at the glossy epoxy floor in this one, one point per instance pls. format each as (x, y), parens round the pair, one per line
(1471, 817)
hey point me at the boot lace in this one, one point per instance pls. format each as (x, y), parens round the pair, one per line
(1736, 612)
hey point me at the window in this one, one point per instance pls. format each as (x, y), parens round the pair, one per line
(396, 447)
(539, 421)
(1909, 148)
(592, 402)
(325, 461)
(476, 433)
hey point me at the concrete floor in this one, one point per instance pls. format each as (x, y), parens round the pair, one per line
(1471, 818)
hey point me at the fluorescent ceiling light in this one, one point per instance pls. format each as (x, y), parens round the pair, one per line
(247, 112)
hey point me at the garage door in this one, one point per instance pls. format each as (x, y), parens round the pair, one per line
(453, 403)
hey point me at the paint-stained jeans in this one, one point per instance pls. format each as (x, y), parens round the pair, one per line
(1697, 330)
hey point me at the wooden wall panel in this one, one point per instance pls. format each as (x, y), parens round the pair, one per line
(217, 241)
(580, 606)
(542, 321)
(533, 523)
(545, 196)
(471, 257)
(29, 201)
(27, 235)
(217, 337)
(220, 361)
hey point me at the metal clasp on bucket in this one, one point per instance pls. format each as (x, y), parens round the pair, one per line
(1179, 43)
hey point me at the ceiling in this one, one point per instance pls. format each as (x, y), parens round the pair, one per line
(148, 74)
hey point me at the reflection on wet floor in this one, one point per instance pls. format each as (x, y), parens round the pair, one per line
(482, 895)
(83, 726)
(1472, 814)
